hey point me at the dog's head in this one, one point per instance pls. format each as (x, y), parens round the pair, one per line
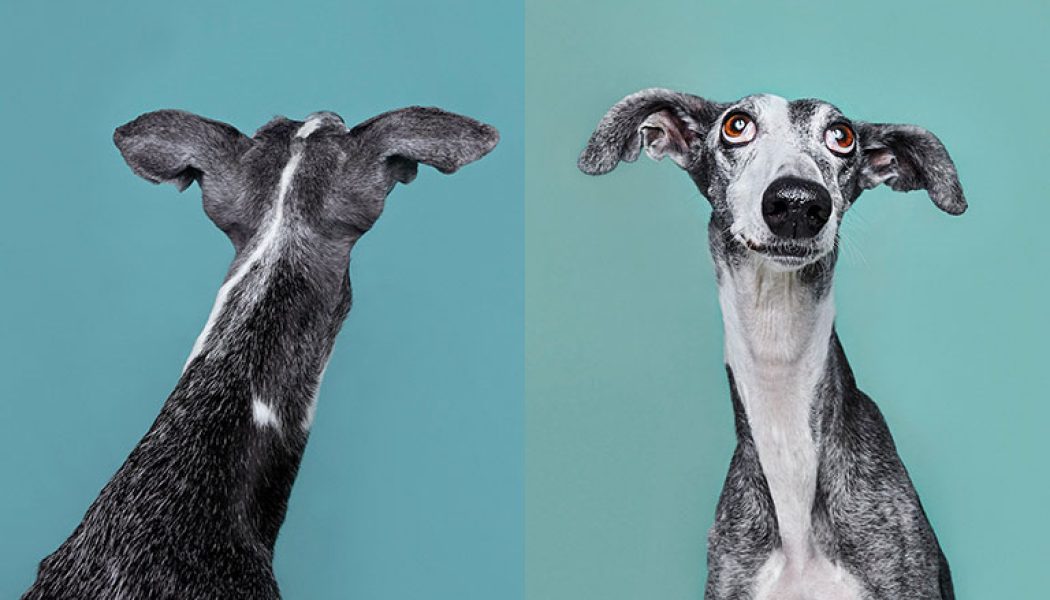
(779, 174)
(321, 175)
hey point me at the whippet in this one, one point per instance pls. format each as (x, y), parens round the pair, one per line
(195, 510)
(817, 504)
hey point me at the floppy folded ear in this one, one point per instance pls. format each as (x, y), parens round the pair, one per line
(406, 137)
(179, 147)
(665, 122)
(907, 157)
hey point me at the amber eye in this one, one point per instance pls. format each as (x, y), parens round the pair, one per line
(839, 138)
(738, 128)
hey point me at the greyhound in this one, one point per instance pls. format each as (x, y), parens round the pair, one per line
(817, 504)
(195, 510)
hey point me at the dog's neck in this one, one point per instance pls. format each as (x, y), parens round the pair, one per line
(274, 323)
(778, 331)
(253, 377)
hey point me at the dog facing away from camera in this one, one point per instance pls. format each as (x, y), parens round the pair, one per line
(195, 510)
(817, 504)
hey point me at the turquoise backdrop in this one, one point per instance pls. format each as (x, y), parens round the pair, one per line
(411, 486)
(629, 428)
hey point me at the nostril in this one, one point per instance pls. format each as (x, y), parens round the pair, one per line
(775, 208)
(817, 213)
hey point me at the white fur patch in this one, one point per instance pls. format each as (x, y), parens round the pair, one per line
(311, 409)
(263, 414)
(268, 240)
(308, 127)
(776, 343)
(815, 579)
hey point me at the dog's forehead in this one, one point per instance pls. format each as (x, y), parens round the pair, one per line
(773, 108)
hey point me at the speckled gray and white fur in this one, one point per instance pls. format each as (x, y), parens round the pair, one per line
(195, 510)
(817, 504)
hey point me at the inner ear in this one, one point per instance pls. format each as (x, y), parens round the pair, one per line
(664, 122)
(880, 166)
(665, 134)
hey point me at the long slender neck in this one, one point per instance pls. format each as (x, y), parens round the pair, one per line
(778, 330)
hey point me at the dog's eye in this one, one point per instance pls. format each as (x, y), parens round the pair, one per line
(739, 128)
(840, 138)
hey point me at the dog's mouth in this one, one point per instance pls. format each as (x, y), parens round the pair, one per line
(788, 254)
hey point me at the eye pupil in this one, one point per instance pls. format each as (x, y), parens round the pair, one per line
(739, 124)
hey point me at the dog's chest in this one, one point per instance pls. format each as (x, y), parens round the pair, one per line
(778, 414)
(815, 578)
(779, 417)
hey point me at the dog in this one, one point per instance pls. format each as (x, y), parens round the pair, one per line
(195, 510)
(817, 504)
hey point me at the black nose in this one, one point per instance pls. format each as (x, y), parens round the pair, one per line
(795, 208)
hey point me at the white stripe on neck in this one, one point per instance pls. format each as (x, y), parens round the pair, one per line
(776, 343)
(269, 239)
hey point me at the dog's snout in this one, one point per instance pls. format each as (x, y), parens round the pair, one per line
(796, 208)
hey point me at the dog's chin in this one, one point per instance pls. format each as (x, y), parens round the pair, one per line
(785, 256)
(788, 264)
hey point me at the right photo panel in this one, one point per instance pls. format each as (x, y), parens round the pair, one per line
(785, 300)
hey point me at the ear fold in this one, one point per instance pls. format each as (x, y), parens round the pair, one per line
(906, 157)
(409, 136)
(179, 147)
(665, 122)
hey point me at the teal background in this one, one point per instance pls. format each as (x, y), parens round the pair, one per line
(629, 428)
(411, 486)
(412, 483)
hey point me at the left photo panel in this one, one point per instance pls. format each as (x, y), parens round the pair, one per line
(295, 368)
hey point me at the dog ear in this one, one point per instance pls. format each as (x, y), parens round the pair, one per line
(907, 157)
(406, 137)
(179, 147)
(664, 122)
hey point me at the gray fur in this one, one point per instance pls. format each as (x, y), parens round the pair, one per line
(912, 158)
(866, 515)
(195, 510)
(618, 136)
